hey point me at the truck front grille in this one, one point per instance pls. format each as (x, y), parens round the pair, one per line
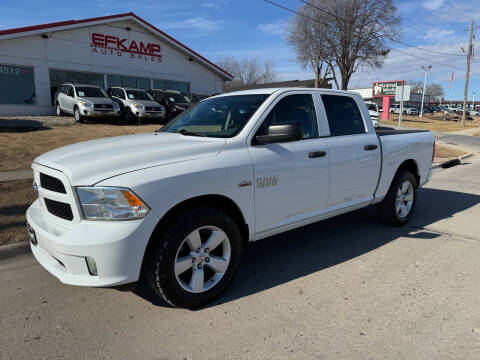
(59, 209)
(152, 108)
(51, 183)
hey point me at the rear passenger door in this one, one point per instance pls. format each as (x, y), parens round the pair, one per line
(355, 156)
(68, 99)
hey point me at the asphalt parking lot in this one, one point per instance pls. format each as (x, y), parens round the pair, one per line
(347, 287)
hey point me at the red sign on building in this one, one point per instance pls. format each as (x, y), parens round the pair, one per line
(113, 45)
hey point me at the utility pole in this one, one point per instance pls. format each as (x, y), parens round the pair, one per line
(467, 75)
(425, 68)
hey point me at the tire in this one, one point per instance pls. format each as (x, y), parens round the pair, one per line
(387, 210)
(58, 110)
(78, 117)
(169, 243)
(404, 112)
(129, 116)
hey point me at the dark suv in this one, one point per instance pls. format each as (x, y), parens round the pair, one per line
(173, 101)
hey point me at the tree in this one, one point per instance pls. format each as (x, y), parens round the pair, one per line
(434, 90)
(308, 38)
(344, 34)
(247, 71)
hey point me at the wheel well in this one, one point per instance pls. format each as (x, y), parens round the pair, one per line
(411, 166)
(218, 201)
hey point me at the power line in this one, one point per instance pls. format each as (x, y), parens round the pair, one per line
(454, 8)
(404, 52)
(383, 35)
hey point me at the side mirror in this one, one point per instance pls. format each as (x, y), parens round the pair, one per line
(281, 133)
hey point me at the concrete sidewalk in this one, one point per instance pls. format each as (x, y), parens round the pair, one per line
(16, 175)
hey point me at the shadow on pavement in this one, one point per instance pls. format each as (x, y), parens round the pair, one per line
(297, 253)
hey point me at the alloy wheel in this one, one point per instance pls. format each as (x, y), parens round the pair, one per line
(202, 259)
(404, 199)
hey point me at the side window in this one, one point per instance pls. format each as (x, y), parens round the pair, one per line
(69, 91)
(290, 109)
(344, 117)
(115, 92)
(121, 94)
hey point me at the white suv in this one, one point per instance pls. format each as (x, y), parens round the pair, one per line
(83, 101)
(137, 103)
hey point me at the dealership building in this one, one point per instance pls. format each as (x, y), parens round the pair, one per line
(116, 50)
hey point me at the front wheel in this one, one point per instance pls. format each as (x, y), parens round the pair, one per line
(78, 116)
(194, 257)
(398, 206)
(59, 110)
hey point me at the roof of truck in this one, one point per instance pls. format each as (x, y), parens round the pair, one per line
(272, 90)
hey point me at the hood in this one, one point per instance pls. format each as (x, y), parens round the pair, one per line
(90, 162)
(97, 100)
(373, 112)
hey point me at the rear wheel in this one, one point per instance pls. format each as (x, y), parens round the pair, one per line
(194, 257)
(398, 206)
(78, 117)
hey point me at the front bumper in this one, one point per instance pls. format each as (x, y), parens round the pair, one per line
(116, 246)
(149, 114)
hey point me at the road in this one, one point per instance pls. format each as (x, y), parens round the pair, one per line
(471, 143)
(344, 288)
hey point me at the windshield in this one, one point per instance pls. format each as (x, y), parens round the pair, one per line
(174, 97)
(372, 107)
(223, 116)
(88, 91)
(138, 95)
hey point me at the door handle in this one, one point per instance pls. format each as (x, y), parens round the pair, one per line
(370, 147)
(316, 154)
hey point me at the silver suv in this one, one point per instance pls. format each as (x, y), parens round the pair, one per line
(137, 103)
(84, 101)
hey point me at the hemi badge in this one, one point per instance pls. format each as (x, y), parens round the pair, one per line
(245, 183)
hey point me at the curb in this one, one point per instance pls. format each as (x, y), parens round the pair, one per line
(15, 250)
(452, 162)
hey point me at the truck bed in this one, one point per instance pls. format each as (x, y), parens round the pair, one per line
(388, 131)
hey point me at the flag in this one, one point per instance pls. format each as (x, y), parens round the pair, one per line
(450, 80)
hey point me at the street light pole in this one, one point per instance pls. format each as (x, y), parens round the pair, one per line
(473, 102)
(425, 68)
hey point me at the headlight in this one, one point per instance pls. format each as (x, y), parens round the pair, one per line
(110, 203)
(138, 106)
(86, 103)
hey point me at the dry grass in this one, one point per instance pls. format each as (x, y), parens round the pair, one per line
(18, 149)
(16, 198)
(443, 153)
(429, 122)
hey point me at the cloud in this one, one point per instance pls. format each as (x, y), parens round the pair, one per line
(198, 23)
(438, 34)
(211, 5)
(432, 4)
(276, 28)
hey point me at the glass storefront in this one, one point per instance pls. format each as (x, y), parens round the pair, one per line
(17, 85)
(58, 77)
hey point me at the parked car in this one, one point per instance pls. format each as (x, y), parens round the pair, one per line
(84, 101)
(182, 203)
(173, 101)
(407, 110)
(137, 103)
(195, 98)
(373, 111)
(474, 112)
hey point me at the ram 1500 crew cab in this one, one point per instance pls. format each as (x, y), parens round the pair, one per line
(182, 203)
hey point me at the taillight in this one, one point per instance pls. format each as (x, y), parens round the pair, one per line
(433, 154)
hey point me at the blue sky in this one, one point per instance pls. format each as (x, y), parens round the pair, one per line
(254, 28)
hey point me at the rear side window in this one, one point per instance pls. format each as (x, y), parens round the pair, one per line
(343, 114)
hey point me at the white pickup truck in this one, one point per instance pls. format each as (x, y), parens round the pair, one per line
(182, 203)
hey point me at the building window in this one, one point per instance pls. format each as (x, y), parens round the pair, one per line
(59, 77)
(183, 87)
(143, 83)
(171, 85)
(17, 85)
(159, 84)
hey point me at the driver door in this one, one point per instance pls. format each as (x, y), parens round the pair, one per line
(291, 178)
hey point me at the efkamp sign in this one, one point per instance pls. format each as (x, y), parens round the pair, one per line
(385, 88)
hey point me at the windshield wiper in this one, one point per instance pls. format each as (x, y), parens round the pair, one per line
(189, 133)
